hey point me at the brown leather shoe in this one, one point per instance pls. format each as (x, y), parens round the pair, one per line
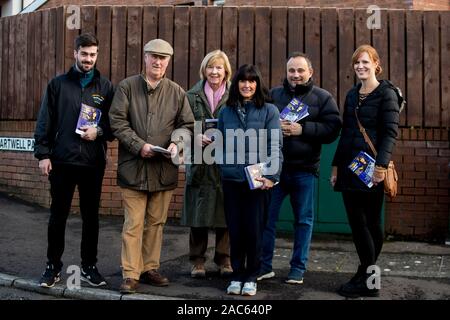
(225, 270)
(198, 270)
(154, 278)
(129, 286)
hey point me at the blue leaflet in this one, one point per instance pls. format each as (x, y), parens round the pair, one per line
(89, 116)
(294, 111)
(255, 171)
(363, 166)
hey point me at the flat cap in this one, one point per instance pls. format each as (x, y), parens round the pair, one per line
(160, 47)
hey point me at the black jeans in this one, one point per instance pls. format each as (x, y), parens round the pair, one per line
(246, 212)
(364, 216)
(63, 179)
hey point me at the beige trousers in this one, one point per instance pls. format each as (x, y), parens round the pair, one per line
(145, 216)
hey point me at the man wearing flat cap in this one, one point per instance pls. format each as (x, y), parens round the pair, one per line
(147, 110)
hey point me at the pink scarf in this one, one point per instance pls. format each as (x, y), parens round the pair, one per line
(214, 97)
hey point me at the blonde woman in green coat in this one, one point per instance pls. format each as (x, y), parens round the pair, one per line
(203, 197)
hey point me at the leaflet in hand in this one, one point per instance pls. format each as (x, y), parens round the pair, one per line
(89, 117)
(255, 171)
(211, 128)
(363, 166)
(160, 149)
(294, 111)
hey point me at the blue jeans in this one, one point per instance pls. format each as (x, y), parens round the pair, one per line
(301, 188)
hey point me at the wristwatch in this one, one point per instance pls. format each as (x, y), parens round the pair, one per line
(99, 131)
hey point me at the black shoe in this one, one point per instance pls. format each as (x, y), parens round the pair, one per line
(360, 273)
(50, 276)
(356, 288)
(91, 275)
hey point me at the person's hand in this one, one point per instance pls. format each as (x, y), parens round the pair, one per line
(202, 140)
(378, 175)
(296, 129)
(173, 148)
(267, 183)
(291, 128)
(146, 151)
(285, 128)
(333, 176)
(89, 133)
(46, 166)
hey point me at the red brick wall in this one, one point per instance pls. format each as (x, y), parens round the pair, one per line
(420, 211)
(19, 172)
(431, 5)
(20, 175)
(57, 3)
(397, 4)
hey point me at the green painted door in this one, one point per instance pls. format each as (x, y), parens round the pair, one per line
(330, 213)
(330, 216)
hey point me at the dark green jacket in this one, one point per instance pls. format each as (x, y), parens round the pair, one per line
(203, 197)
(140, 114)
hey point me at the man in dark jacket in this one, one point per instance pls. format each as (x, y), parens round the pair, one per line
(302, 143)
(71, 133)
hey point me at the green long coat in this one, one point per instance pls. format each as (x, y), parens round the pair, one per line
(203, 195)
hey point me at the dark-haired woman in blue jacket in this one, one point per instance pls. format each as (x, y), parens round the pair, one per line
(251, 133)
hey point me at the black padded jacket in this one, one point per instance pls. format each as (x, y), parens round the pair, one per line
(379, 115)
(55, 136)
(321, 126)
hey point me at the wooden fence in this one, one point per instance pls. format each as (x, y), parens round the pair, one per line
(414, 47)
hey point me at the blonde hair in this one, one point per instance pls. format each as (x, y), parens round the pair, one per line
(212, 57)
(373, 55)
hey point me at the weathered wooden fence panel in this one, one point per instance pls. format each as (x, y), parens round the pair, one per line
(414, 48)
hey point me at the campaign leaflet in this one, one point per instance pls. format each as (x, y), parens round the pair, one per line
(211, 128)
(89, 117)
(161, 150)
(363, 166)
(294, 111)
(255, 171)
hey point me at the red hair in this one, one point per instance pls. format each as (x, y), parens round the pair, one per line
(373, 55)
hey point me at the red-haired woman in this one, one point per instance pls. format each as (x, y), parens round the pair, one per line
(374, 102)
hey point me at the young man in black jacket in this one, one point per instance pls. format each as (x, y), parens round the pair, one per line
(302, 143)
(73, 154)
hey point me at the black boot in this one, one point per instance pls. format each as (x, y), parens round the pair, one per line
(359, 273)
(357, 287)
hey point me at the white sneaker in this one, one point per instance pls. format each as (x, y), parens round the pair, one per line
(294, 281)
(249, 289)
(267, 275)
(234, 287)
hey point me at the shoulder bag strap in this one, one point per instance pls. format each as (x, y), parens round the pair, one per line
(366, 137)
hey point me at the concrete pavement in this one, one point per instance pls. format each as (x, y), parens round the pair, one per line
(410, 270)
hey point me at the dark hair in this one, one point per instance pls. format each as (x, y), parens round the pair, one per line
(248, 72)
(297, 54)
(86, 40)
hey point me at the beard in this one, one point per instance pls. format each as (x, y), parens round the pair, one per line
(84, 67)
